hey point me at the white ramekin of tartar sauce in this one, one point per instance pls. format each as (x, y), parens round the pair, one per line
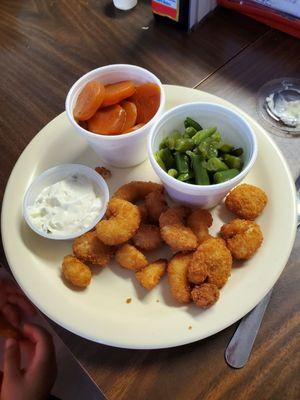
(65, 201)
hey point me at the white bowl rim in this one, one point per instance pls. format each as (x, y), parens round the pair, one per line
(201, 188)
(105, 68)
(81, 168)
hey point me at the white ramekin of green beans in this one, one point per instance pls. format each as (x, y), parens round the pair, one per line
(200, 151)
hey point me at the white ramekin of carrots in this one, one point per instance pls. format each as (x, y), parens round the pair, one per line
(114, 108)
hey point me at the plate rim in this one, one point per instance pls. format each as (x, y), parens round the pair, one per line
(192, 338)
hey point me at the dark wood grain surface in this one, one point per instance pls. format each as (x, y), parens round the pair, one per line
(44, 47)
(275, 55)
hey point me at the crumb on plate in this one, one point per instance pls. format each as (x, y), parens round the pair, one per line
(104, 172)
(128, 300)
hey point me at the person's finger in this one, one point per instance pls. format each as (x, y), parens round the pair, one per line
(27, 351)
(11, 368)
(10, 286)
(22, 302)
(12, 314)
(44, 349)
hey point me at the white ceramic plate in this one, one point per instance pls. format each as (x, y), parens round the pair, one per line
(152, 320)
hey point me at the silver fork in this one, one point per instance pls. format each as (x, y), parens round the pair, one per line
(240, 346)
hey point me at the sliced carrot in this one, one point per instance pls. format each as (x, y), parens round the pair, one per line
(134, 128)
(83, 124)
(89, 100)
(147, 100)
(108, 121)
(117, 92)
(131, 114)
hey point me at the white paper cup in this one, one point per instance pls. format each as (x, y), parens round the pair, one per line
(124, 150)
(125, 4)
(54, 175)
(234, 129)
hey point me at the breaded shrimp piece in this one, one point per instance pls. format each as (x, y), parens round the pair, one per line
(243, 238)
(124, 220)
(173, 231)
(90, 249)
(173, 216)
(177, 275)
(143, 212)
(150, 276)
(130, 257)
(205, 295)
(156, 204)
(147, 237)
(199, 221)
(246, 201)
(75, 272)
(211, 261)
(137, 190)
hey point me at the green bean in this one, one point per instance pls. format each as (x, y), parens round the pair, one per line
(159, 161)
(184, 144)
(198, 156)
(185, 177)
(201, 175)
(202, 135)
(202, 149)
(189, 132)
(211, 151)
(194, 152)
(173, 172)
(223, 176)
(237, 152)
(172, 139)
(190, 122)
(164, 143)
(226, 148)
(167, 157)
(182, 164)
(232, 161)
(215, 164)
(216, 137)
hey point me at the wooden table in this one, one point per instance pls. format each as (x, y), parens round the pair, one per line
(45, 47)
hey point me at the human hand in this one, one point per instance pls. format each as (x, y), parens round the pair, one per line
(36, 380)
(13, 303)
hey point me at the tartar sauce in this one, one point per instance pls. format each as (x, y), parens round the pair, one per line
(66, 207)
(287, 111)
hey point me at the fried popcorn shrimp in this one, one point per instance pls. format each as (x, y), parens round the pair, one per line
(143, 212)
(148, 237)
(137, 190)
(242, 237)
(104, 172)
(90, 249)
(199, 221)
(156, 204)
(7, 330)
(177, 275)
(75, 272)
(246, 201)
(130, 257)
(173, 231)
(212, 261)
(173, 216)
(150, 276)
(124, 220)
(205, 295)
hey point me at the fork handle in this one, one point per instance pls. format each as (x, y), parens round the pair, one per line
(239, 348)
